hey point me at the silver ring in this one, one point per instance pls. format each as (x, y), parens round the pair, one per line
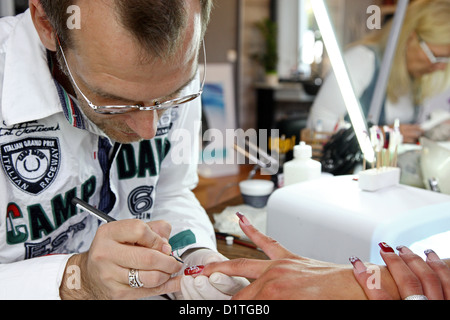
(416, 297)
(133, 279)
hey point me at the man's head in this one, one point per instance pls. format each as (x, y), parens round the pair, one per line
(126, 52)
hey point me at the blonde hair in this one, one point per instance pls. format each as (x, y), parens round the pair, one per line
(431, 20)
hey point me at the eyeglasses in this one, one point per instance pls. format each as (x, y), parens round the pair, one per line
(430, 55)
(158, 105)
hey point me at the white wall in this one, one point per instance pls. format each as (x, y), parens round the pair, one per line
(289, 49)
(7, 8)
(348, 17)
(250, 42)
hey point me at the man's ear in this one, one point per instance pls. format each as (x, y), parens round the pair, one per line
(42, 25)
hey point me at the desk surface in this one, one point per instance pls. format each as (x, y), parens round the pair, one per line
(234, 251)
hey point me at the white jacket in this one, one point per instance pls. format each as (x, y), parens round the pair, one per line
(49, 153)
(329, 106)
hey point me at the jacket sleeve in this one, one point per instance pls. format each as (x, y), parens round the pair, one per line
(175, 202)
(38, 279)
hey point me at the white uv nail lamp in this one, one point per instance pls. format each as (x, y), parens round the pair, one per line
(332, 218)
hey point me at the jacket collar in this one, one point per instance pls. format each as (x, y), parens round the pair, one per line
(29, 92)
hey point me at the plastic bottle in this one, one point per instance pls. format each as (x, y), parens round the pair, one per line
(302, 167)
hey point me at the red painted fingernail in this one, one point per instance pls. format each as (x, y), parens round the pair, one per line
(243, 219)
(193, 270)
(386, 248)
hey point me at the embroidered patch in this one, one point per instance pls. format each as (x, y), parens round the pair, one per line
(182, 239)
(140, 202)
(31, 164)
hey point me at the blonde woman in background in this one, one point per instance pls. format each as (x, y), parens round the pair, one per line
(420, 70)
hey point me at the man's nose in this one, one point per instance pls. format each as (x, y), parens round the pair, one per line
(143, 123)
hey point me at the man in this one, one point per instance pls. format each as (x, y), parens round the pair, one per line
(78, 119)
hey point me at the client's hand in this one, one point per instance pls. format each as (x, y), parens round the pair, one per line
(288, 276)
(415, 278)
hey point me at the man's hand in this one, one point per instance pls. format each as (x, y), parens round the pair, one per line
(288, 276)
(118, 247)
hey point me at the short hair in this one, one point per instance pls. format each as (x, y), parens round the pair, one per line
(157, 25)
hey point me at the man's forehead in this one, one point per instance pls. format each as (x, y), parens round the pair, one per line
(111, 62)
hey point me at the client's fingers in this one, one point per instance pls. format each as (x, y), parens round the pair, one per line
(364, 278)
(428, 278)
(441, 269)
(272, 248)
(407, 282)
